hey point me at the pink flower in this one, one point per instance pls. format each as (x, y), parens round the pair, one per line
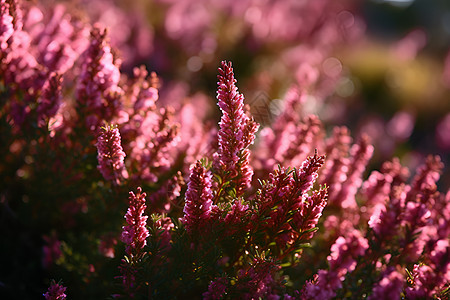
(50, 99)
(56, 291)
(107, 244)
(360, 154)
(298, 140)
(310, 212)
(199, 196)
(380, 185)
(6, 25)
(259, 280)
(284, 196)
(51, 252)
(389, 287)
(236, 134)
(110, 155)
(342, 260)
(216, 289)
(136, 232)
(427, 176)
(97, 90)
(150, 134)
(443, 127)
(429, 280)
(61, 41)
(386, 220)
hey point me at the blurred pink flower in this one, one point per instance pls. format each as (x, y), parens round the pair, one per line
(6, 25)
(389, 287)
(56, 291)
(51, 252)
(97, 90)
(216, 289)
(443, 132)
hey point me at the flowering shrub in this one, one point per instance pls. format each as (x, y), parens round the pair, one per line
(288, 208)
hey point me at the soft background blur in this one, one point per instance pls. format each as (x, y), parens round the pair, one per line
(379, 67)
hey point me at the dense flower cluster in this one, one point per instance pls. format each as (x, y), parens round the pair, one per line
(236, 134)
(268, 201)
(110, 154)
(198, 203)
(135, 233)
(55, 292)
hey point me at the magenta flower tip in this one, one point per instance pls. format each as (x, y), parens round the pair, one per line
(111, 155)
(237, 131)
(56, 291)
(136, 232)
(199, 196)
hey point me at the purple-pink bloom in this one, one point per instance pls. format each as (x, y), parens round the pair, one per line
(360, 154)
(56, 291)
(389, 287)
(135, 233)
(443, 127)
(342, 260)
(345, 251)
(6, 25)
(199, 196)
(50, 99)
(298, 140)
(386, 219)
(379, 186)
(150, 134)
(310, 212)
(236, 134)
(426, 177)
(415, 217)
(429, 280)
(110, 154)
(258, 281)
(61, 41)
(51, 252)
(97, 91)
(283, 197)
(216, 289)
(336, 150)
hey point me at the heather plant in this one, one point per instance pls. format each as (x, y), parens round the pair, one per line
(120, 189)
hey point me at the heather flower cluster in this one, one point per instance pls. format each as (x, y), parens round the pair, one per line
(236, 134)
(110, 154)
(126, 181)
(55, 292)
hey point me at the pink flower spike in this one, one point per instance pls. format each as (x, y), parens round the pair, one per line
(50, 98)
(136, 232)
(110, 155)
(311, 211)
(6, 25)
(307, 174)
(97, 91)
(55, 292)
(236, 134)
(389, 287)
(198, 199)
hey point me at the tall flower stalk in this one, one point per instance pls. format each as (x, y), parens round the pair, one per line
(56, 291)
(198, 205)
(236, 134)
(110, 155)
(134, 235)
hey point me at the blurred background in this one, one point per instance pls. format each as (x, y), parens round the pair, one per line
(381, 67)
